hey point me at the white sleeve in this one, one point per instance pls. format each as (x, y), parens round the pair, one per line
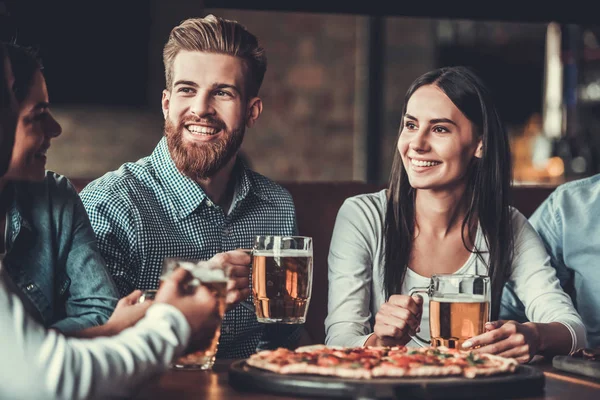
(350, 266)
(536, 285)
(44, 364)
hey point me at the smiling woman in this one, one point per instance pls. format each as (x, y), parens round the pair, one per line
(437, 143)
(446, 211)
(47, 243)
(35, 129)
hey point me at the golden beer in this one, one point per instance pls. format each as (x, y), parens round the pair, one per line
(206, 351)
(281, 285)
(214, 277)
(454, 319)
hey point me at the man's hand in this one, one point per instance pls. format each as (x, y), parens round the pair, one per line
(238, 287)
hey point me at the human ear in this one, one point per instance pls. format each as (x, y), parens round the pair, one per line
(166, 97)
(254, 110)
(479, 151)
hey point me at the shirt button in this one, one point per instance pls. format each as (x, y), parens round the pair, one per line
(30, 287)
(226, 329)
(209, 203)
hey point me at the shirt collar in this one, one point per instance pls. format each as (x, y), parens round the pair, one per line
(186, 195)
(246, 183)
(16, 219)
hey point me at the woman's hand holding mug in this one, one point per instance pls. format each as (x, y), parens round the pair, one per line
(396, 321)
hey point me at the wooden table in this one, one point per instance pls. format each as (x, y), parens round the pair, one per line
(213, 385)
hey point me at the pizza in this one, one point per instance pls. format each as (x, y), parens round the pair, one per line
(376, 362)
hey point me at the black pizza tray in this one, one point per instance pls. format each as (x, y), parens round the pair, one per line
(526, 381)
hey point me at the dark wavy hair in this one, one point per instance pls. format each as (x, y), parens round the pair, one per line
(8, 117)
(487, 191)
(25, 62)
(4, 89)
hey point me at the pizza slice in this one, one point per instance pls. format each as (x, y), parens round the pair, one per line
(420, 362)
(272, 360)
(487, 364)
(316, 360)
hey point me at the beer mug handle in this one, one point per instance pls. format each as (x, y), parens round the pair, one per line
(248, 303)
(416, 290)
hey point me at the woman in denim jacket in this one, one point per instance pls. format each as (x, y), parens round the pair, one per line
(48, 245)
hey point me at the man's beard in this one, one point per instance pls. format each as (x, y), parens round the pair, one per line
(202, 160)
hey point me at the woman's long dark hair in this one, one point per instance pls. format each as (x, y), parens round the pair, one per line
(8, 117)
(4, 89)
(25, 63)
(487, 191)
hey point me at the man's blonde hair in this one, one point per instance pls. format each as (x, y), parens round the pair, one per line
(217, 35)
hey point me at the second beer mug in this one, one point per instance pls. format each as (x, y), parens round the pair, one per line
(459, 307)
(215, 278)
(282, 271)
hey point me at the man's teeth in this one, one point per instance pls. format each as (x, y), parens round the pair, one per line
(420, 163)
(203, 130)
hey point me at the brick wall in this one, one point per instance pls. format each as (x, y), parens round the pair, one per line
(307, 127)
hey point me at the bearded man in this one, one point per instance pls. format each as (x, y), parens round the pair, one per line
(193, 197)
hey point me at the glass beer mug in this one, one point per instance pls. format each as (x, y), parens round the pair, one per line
(282, 273)
(459, 307)
(215, 278)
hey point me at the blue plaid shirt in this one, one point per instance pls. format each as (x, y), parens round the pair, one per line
(148, 210)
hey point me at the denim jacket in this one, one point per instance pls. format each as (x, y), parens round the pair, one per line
(52, 256)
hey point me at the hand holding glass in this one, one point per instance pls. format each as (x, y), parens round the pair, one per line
(214, 277)
(459, 307)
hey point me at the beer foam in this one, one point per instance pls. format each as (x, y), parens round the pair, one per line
(283, 253)
(459, 298)
(209, 274)
(172, 266)
(187, 265)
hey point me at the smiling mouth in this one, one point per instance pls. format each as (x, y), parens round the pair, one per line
(202, 130)
(424, 163)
